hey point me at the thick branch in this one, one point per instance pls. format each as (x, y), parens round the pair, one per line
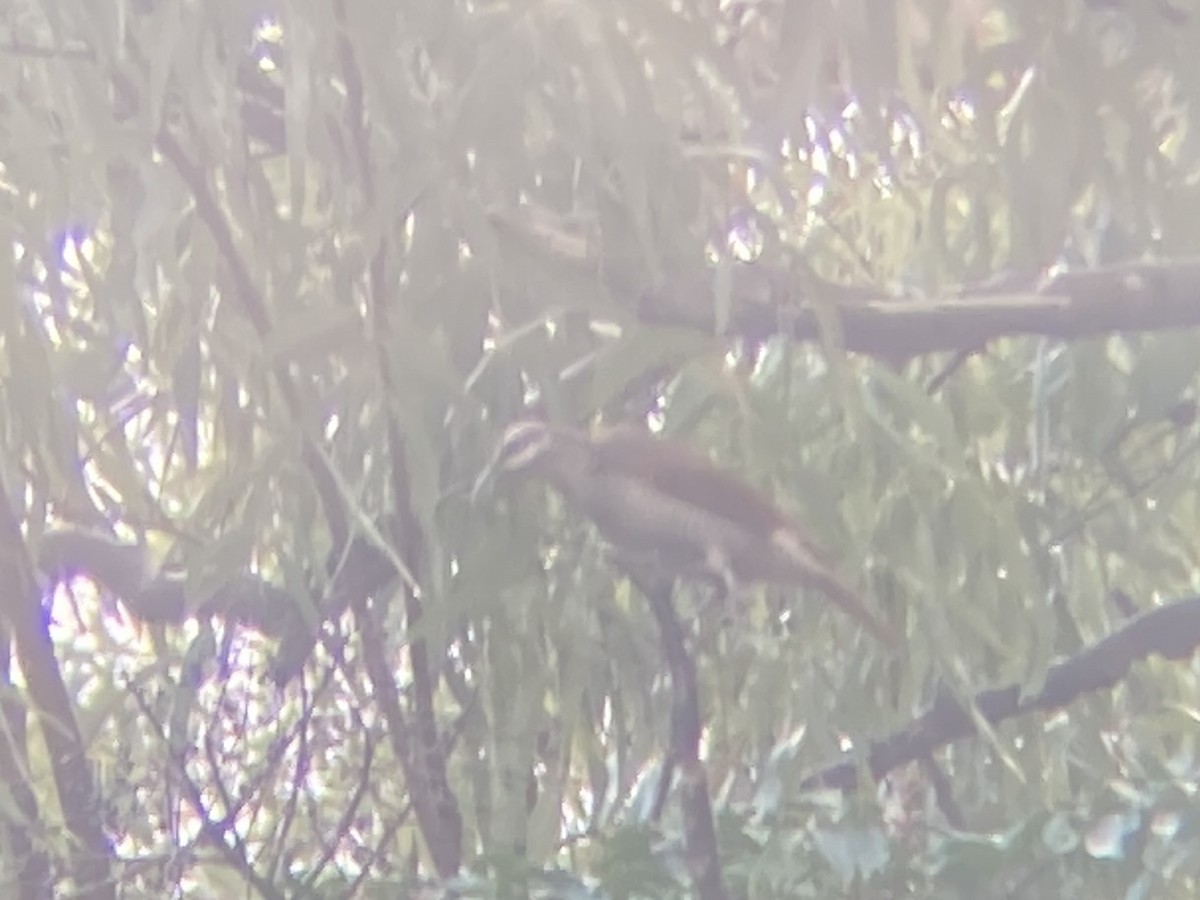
(244, 598)
(416, 739)
(1072, 305)
(1169, 631)
(33, 877)
(77, 797)
(699, 832)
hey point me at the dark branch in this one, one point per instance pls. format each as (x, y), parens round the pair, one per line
(244, 597)
(1126, 298)
(32, 877)
(699, 833)
(1170, 631)
(90, 853)
(434, 801)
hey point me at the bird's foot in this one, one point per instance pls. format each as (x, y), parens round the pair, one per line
(727, 593)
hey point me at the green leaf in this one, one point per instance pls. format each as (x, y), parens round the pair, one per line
(853, 852)
(1060, 835)
(1165, 367)
(908, 401)
(185, 384)
(312, 333)
(633, 356)
(629, 867)
(1110, 835)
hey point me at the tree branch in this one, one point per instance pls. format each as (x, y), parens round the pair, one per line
(77, 796)
(416, 738)
(699, 832)
(1170, 631)
(33, 877)
(1135, 297)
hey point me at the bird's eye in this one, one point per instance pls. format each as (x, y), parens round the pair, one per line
(523, 445)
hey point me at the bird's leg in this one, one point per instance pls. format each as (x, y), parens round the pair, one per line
(720, 572)
(627, 560)
(726, 589)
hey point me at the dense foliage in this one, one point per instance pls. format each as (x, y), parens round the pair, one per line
(284, 271)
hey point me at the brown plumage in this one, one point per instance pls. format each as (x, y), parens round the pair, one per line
(662, 497)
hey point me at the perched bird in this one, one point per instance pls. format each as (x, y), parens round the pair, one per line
(661, 499)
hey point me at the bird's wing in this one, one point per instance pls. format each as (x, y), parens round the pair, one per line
(680, 472)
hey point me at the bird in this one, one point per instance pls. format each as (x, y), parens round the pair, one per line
(661, 498)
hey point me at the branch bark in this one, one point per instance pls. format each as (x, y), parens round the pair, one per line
(77, 795)
(33, 876)
(435, 809)
(1170, 631)
(699, 832)
(1134, 297)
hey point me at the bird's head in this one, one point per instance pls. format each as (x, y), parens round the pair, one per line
(528, 447)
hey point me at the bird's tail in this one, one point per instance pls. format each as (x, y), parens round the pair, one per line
(810, 567)
(851, 603)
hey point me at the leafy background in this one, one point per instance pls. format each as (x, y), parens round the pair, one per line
(282, 273)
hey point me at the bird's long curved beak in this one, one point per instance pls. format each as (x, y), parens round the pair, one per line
(485, 483)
